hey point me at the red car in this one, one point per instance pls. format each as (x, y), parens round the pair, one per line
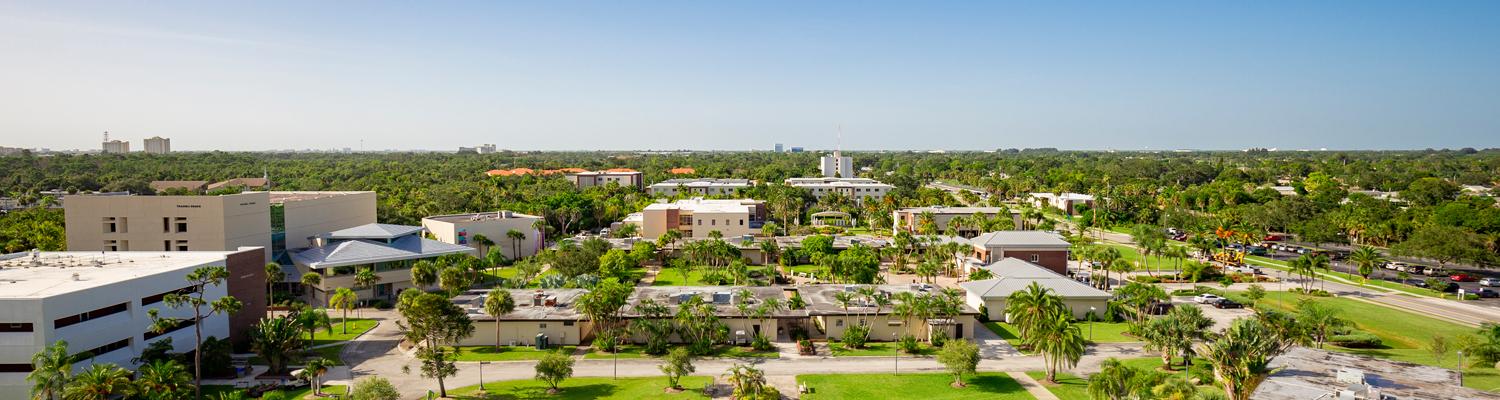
(1462, 278)
(1272, 238)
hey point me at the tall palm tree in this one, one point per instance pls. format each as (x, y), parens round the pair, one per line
(1366, 258)
(1060, 342)
(313, 371)
(311, 280)
(484, 242)
(366, 279)
(99, 382)
(274, 275)
(310, 319)
(52, 368)
(167, 379)
(541, 230)
(515, 236)
(1028, 309)
(343, 299)
(1318, 262)
(497, 303)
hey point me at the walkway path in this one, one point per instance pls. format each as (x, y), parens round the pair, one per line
(1032, 386)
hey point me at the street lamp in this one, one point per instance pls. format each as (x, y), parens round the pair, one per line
(1460, 368)
(481, 376)
(897, 354)
(1091, 323)
(616, 360)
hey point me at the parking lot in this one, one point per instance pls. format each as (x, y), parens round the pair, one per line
(1222, 317)
(1381, 273)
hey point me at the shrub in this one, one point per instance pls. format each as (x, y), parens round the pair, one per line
(761, 343)
(1145, 279)
(938, 341)
(797, 333)
(1186, 292)
(374, 388)
(856, 336)
(1356, 340)
(607, 340)
(1201, 374)
(909, 345)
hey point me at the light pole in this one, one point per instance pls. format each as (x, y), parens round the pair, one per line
(897, 355)
(1460, 368)
(481, 376)
(1091, 323)
(616, 361)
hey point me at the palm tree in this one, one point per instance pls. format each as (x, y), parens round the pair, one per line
(423, 274)
(1319, 320)
(1060, 342)
(1367, 258)
(99, 382)
(1318, 262)
(275, 340)
(484, 242)
(310, 319)
(274, 275)
(1113, 381)
(1240, 356)
(515, 236)
(541, 230)
(366, 278)
(313, 371)
(343, 299)
(168, 379)
(1032, 307)
(51, 369)
(496, 304)
(312, 280)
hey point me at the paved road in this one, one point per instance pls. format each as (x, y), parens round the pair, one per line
(377, 353)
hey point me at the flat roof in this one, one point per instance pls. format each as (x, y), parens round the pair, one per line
(285, 197)
(1306, 373)
(1013, 275)
(482, 216)
(1019, 238)
(561, 308)
(722, 297)
(699, 204)
(51, 273)
(822, 299)
(958, 210)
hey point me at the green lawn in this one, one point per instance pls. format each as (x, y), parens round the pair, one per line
(356, 327)
(803, 268)
(506, 353)
(1405, 335)
(988, 385)
(1356, 279)
(1068, 386)
(673, 276)
(1103, 332)
(213, 391)
(1143, 263)
(586, 388)
(634, 351)
(873, 349)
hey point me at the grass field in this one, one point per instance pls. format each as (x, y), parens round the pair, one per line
(506, 353)
(1356, 279)
(356, 327)
(673, 276)
(213, 391)
(634, 351)
(586, 388)
(872, 349)
(1103, 332)
(988, 385)
(804, 268)
(1405, 335)
(1068, 386)
(1143, 263)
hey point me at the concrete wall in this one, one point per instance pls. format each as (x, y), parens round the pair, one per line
(729, 224)
(306, 218)
(494, 229)
(882, 327)
(215, 223)
(524, 332)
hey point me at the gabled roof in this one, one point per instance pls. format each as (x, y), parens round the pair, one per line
(372, 231)
(1019, 238)
(356, 252)
(1013, 275)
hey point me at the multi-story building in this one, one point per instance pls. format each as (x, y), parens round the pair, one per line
(464, 229)
(700, 187)
(1010, 275)
(836, 165)
(778, 147)
(158, 145)
(116, 147)
(98, 303)
(1042, 248)
(858, 189)
(697, 217)
(624, 177)
(388, 250)
(1068, 202)
(910, 219)
(275, 221)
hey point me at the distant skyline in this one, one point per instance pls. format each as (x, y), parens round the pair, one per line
(673, 75)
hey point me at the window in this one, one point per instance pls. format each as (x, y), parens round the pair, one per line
(157, 298)
(15, 327)
(181, 225)
(181, 323)
(542, 325)
(713, 222)
(182, 245)
(567, 323)
(166, 245)
(13, 368)
(105, 349)
(838, 322)
(110, 225)
(96, 314)
(742, 222)
(1036, 257)
(700, 222)
(166, 225)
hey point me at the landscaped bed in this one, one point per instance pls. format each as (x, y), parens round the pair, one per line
(883, 349)
(925, 386)
(214, 391)
(587, 388)
(635, 351)
(505, 353)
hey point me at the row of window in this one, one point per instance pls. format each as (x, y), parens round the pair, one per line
(157, 298)
(105, 349)
(716, 222)
(180, 325)
(90, 315)
(121, 224)
(124, 245)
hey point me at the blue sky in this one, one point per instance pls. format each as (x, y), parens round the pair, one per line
(719, 75)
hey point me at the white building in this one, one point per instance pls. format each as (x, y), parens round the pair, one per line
(836, 166)
(462, 229)
(858, 189)
(1068, 202)
(1013, 275)
(158, 145)
(98, 303)
(700, 187)
(697, 217)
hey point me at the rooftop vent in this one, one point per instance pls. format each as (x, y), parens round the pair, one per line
(723, 297)
(76, 277)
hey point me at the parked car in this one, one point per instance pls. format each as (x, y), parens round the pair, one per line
(1273, 238)
(1160, 308)
(1395, 265)
(1435, 271)
(1461, 277)
(1227, 303)
(1415, 269)
(1181, 237)
(1207, 298)
(1257, 251)
(1489, 281)
(1446, 287)
(1487, 293)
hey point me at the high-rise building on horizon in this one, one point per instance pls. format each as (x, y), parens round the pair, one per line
(116, 147)
(778, 147)
(836, 165)
(158, 145)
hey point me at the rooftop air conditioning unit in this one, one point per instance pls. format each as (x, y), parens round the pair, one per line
(722, 297)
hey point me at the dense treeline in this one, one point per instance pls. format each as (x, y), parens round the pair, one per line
(1198, 191)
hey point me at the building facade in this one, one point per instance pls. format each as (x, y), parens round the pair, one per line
(697, 217)
(1042, 248)
(857, 189)
(836, 166)
(910, 219)
(462, 229)
(1011, 275)
(158, 145)
(1068, 202)
(700, 187)
(387, 250)
(99, 304)
(116, 147)
(620, 176)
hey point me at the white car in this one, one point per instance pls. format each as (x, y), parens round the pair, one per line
(1206, 298)
(1489, 282)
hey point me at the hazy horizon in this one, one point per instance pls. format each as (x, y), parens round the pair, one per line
(1160, 76)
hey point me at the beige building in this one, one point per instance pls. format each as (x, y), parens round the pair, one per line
(832, 319)
(856, 189)
(539, 313)
(158, 145)
(462, 229)
(624, 177)
(276, 221)
(116, 147)
(910, 219)
(387, 250)
(697, 217)
(1012, 275)
(700, 187)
